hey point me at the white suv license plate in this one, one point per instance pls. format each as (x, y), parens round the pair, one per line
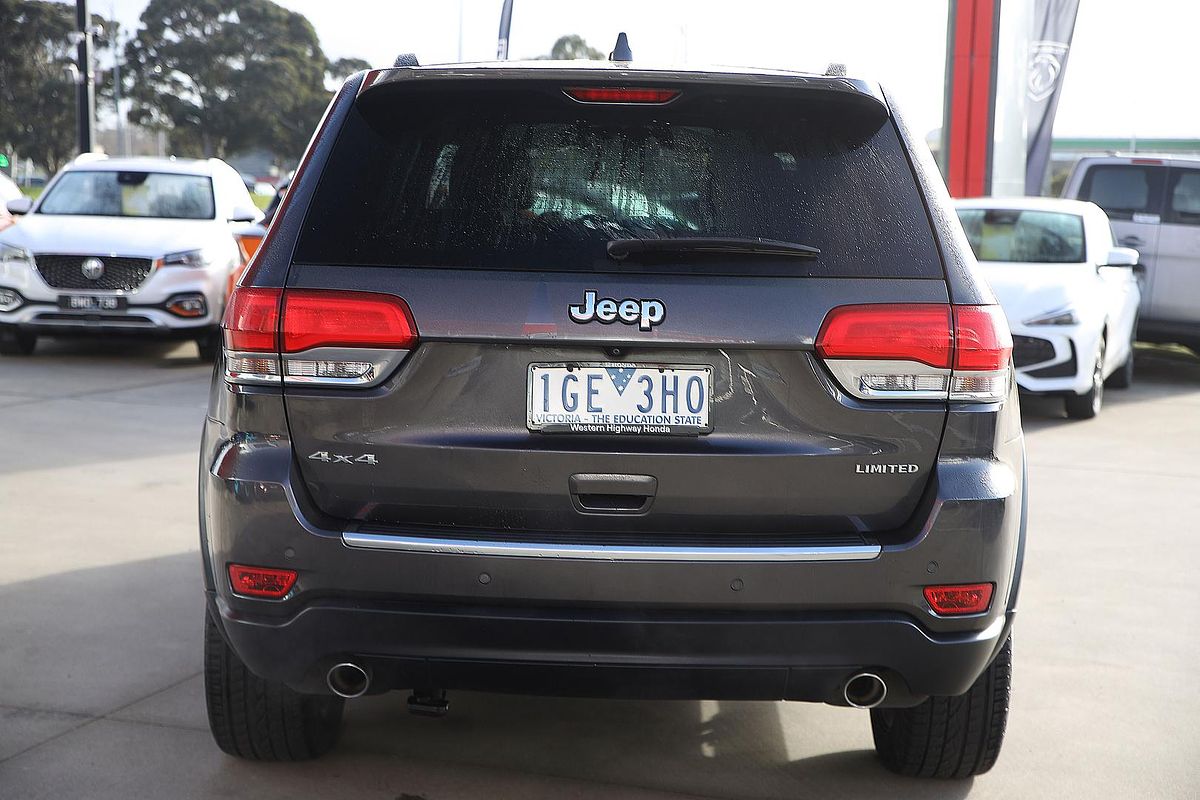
(92, 302)
(617, 398)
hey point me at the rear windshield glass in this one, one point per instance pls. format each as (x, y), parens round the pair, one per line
(536, 181)
(131, 194)
(1045, 237)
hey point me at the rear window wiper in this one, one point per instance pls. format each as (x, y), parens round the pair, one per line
(621, 249)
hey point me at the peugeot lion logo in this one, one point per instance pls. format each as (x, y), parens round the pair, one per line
(93, 268)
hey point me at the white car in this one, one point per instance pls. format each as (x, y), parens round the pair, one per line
(1070, 295)
(132, 245)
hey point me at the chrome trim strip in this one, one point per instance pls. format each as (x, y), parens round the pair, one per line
(474, 547)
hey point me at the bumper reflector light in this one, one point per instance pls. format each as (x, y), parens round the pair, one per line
(967, 598)
(261, 581)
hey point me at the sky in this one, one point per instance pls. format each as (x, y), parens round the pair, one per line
(1129, 74)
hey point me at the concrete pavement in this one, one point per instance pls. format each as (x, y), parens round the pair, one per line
(101, 612)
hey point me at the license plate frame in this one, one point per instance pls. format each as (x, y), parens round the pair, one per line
(105, 303)
(602, 423)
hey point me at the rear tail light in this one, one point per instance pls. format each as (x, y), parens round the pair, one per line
(304, 336)
(621, 94)
(345, 319)
(951, 601)
(982, 349)
(261, 581)
(921, 351)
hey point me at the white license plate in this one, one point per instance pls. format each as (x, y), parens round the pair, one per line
(619, 399)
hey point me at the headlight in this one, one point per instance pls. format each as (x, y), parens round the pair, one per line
(9, 299)
(185, 258)
(1061, 316)
(17, 255)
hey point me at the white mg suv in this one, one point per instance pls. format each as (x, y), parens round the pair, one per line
(123, 246)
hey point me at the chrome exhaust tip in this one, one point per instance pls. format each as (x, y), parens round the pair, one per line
(864, 690)
(348, 680)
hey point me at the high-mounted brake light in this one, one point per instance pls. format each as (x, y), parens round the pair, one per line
(918, 351)
(968, 598)
(308, 336)
(261, 581)
(620, 94)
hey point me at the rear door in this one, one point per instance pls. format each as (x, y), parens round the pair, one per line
(1132, 195)
(490, 209)
(1177, 289)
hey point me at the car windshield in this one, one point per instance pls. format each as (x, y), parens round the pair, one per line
(1024, 236)
(522, 180)
(111, 193)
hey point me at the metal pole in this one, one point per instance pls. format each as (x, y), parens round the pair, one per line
(85, 89)
(122, 148)
(460, 30)
(505, 27)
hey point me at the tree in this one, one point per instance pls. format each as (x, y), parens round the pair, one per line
(572, 47)
(343, 68)
(37, 98)
(226, 75)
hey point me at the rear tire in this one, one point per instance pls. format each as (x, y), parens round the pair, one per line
(263, 720)
(16, 342)
(1088, 404)
(948, 737)
(209, 346)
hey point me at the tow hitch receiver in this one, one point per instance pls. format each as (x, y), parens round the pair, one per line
(428, 703)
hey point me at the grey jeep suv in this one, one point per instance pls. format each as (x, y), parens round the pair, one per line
(578, 379)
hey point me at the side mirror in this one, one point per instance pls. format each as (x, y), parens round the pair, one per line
(244, 214)
(19, 206)
(1123, 257)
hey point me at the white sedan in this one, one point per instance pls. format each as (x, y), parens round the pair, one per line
(1070, 295)
(139, 246)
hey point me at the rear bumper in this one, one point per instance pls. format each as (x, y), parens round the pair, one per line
(589, 652)
(476, 618)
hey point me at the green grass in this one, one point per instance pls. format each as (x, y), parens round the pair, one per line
(32, 192)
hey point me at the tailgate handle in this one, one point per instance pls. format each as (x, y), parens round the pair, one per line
(612, 493)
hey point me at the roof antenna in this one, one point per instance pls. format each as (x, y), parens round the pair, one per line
(621, 51)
